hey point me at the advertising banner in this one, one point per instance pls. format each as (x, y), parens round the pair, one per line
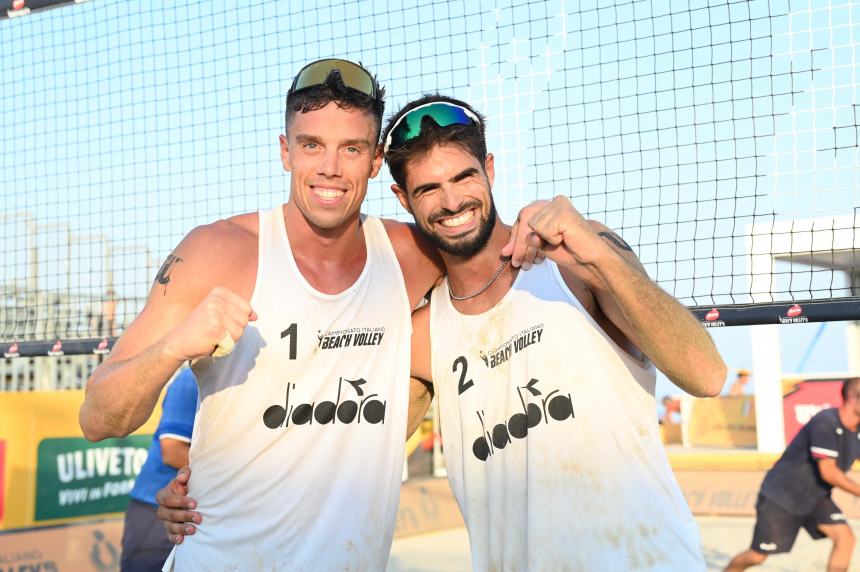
(51, 474)
(726, 421)
(806, 397)
(90, 547)
(77, 478)
(2, 478)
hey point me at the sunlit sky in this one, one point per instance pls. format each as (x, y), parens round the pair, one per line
(680, 124)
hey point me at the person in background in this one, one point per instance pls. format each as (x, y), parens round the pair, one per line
(671, 408)
(740, 383)
(144, 545)
(795, 493)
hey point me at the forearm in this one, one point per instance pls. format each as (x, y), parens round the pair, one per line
(420, 396)
(842, 481)
(121, 395)
(174, 453)
(661, 327)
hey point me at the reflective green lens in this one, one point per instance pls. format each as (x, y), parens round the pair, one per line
(443, 114)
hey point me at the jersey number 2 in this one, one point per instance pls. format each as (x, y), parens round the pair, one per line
(464, 384)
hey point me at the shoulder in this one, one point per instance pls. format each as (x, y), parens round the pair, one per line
(215, 251)
(234, 231)
(222, 253)
(826, 420)
(420, 263)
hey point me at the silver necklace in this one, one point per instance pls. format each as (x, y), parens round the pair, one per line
(482, 290)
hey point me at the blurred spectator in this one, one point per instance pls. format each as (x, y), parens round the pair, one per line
(739, 385)
(671, 406)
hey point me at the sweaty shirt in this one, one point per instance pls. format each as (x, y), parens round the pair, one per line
(297, 452)
(551, 438)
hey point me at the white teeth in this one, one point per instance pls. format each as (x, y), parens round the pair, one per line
(327, 193)
(458, 220)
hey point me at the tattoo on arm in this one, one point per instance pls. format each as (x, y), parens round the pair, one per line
(616, 240)
(163, 276)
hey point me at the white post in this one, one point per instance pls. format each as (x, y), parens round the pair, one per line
(852, 346)
(767, 377)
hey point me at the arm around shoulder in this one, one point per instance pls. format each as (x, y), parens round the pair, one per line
(421, 383)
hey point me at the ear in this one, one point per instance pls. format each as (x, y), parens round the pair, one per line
(285, 152)
(490, 168)
(377, 162)
(401, 196)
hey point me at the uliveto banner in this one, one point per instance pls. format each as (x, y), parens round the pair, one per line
(77, 478)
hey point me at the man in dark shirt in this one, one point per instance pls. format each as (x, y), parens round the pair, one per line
(796, 491)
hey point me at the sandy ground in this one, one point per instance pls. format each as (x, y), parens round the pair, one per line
(722, 537)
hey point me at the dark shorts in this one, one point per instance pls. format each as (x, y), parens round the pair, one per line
(144, 541)
(776, 529)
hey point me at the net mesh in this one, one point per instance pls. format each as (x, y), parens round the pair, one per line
(720, 139)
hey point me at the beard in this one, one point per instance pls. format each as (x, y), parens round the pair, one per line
(468, 246)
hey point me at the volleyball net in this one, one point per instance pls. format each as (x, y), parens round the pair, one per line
(719, 138)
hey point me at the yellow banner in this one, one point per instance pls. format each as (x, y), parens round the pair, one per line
(727, 421)
(45, 457)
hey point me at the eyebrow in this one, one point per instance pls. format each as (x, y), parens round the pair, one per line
(307, 138)
(465, 173)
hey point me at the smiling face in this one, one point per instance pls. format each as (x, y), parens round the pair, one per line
(331, 153)
(448, 193)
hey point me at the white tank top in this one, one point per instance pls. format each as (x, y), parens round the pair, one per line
(298, 445)
(551, 438)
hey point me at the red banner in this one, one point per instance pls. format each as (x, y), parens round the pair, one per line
(805, 399)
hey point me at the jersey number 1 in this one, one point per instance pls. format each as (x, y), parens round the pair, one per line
(292, 332)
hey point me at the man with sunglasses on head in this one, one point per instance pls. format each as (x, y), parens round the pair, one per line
(545, 378)
(306, 307)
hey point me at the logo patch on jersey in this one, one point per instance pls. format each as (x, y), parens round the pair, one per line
(552, 406)
(350, 338)
(837, 516)
(515, 344)
(362, 408)
(767, 546)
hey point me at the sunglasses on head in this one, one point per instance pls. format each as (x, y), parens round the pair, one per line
(442, 113)
(353, 76)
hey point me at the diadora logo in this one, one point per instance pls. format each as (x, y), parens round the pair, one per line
(328, 412)
(767, 546)
(350, 337)
(56, 349)
(12, 351)
(552, 406)
(837, 516)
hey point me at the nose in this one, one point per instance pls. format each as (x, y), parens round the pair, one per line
(329, 166)
(452, 200)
